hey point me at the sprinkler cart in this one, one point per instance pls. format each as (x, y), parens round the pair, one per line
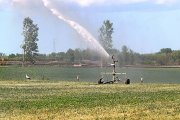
(115, 78)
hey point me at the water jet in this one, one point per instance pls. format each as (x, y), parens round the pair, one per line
(87, 36)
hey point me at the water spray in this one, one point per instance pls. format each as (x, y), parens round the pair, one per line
(92, 42)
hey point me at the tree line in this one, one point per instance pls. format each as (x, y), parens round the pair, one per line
(125, 56)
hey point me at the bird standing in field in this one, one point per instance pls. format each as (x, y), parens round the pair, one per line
(27, 77)
(141, 79)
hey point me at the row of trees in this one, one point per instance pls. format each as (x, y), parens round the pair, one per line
(165, 56)
(125, 56)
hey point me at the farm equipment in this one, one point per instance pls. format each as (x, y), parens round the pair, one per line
(115, 78)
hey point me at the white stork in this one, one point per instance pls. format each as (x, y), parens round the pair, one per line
(27, 77)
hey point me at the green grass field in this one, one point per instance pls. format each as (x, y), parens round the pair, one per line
(150, 75)
(51, 100)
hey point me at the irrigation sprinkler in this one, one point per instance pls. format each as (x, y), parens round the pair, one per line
(114, 74)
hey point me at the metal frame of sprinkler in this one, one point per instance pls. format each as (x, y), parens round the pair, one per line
(114, 73)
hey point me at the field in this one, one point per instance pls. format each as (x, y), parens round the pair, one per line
(150, 75)
(54, 93)
(47, 100)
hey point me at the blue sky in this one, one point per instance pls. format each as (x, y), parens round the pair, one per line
(145, 26)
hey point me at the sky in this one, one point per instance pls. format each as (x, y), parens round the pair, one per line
(145, 26)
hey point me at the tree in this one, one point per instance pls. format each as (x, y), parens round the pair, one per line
(70, 55)
(77, 55)
(166, 50)
(131, 57)
(125, 53)
(30, 33)
(12, 56)
(61, 56)
(105, 37)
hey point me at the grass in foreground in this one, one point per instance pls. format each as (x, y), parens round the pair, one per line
(21, 100)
